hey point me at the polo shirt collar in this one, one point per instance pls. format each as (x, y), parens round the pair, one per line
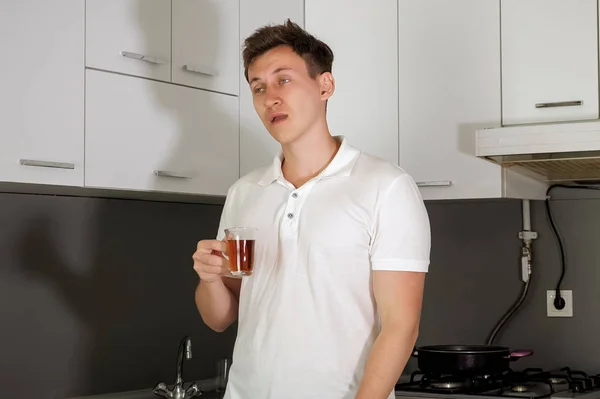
(340, 165)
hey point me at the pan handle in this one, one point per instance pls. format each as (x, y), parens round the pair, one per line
(516, 355)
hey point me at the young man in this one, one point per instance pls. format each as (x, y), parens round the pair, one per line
(332, 309)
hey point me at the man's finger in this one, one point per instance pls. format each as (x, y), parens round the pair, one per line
(209, 259)
(207, 246)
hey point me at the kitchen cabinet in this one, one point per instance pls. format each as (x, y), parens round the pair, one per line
(145, 135)
(206, 49)
(549, 60)
(129, 36)
(42, 92)
(364, 106)
(257, 147)
(188, 42)
(449, 85)
(413, 83)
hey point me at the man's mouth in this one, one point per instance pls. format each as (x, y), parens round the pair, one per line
(275, 118)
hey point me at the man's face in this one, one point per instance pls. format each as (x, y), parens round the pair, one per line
(288, 101)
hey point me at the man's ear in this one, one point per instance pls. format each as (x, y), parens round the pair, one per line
(326, 85)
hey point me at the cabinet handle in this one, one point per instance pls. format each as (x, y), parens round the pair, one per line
(164, 173)
(441, 183)
(559, 104)
(46, 164)
(201, 69)
(141, 57)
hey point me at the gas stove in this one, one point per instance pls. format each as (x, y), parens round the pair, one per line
(530, 383)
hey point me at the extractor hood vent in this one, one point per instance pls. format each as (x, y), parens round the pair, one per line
(553, 153)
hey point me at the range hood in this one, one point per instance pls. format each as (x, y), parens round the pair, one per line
(552, 153)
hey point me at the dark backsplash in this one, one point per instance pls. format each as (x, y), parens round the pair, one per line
(97, 293)
(475, 278)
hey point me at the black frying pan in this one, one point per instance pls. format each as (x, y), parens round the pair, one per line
(466, 359)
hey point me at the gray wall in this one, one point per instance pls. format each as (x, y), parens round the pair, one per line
(96, 293)
(475, 278)
(572, 341)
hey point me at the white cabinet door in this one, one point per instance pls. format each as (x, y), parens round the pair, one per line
(206, 49)
(549, 60)
(42, 91)
(257, 147)
(129, 36)
(153, 136)
(363, 38)
(449, 86)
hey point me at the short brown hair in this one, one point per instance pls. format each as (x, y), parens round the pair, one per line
(317, 55)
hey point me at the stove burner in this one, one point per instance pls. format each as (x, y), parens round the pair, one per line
(519, 388)
(447, 385)
(558, 380)
(531, 383)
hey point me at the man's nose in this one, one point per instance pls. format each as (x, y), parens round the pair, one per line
(272, 98)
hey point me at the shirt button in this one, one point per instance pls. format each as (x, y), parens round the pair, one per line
(290, 215)
(295, 195)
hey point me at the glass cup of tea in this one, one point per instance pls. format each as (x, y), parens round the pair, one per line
(240, 250)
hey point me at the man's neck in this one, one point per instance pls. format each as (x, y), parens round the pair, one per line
(309, 156)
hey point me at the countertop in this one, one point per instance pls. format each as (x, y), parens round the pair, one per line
(146, 394)
(209, 392)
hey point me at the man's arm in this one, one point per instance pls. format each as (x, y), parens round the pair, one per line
(399, 297)
(217, 297)
(400, 260)
(217, 302)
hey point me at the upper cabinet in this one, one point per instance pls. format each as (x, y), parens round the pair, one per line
(154, 136)
(42, 92)
(257, 147)
(129, 36)
(449, 80)
(188, 42)
(206, 49)
(166, 106)
(549, 60)
(364, 41)
(449, 85)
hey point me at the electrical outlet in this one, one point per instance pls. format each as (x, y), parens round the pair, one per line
(567, 311)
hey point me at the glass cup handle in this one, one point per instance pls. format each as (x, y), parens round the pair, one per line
(223, 253)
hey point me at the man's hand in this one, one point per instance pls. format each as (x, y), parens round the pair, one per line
(209, 262)
(216, 297)
(399, 297)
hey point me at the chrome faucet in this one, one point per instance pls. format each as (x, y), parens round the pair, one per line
(178, 391)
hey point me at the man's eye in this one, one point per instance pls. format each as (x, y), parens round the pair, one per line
(284, 80)
(258, 90)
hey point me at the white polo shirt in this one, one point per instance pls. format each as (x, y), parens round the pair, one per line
(307, 315)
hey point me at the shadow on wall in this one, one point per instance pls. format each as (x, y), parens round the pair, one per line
(205, 125)
(121, 273)
(104, 295)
